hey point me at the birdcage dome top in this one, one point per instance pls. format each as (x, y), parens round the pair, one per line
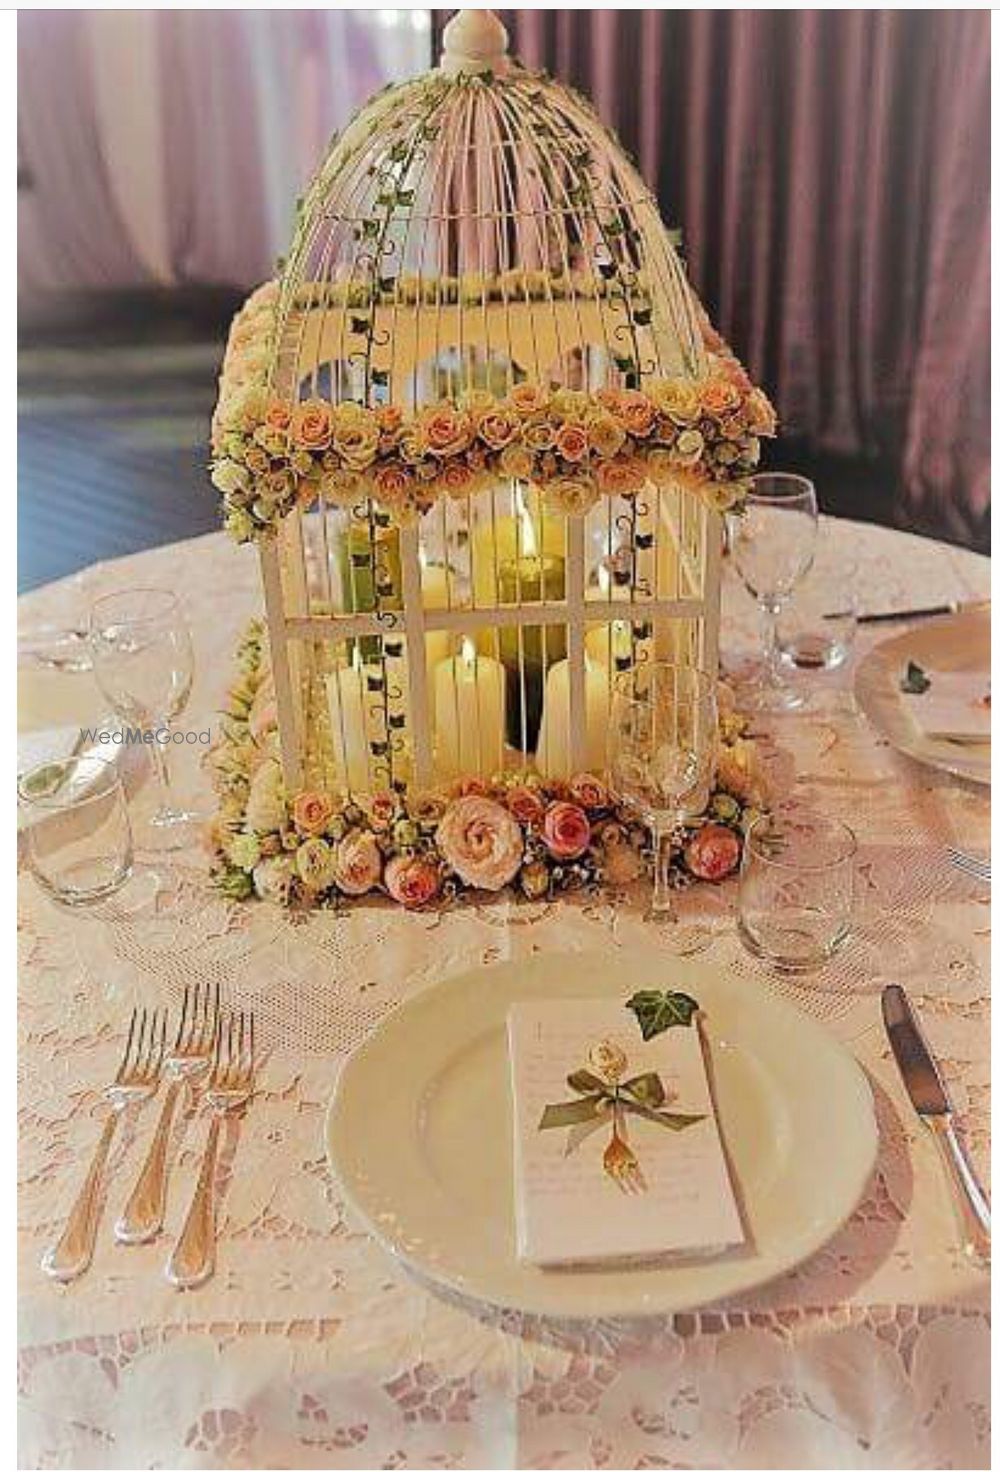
(479, 284)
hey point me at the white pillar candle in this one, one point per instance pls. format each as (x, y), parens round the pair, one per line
(469, 714)
(554, 748)
(354, 721)
(434, 589)
(609, 643)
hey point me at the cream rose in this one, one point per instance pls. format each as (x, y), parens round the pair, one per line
(357, 862)
(481, 841)
(355, 436)
(266, 809)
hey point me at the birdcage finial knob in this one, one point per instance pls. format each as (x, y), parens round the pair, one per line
(474, 41)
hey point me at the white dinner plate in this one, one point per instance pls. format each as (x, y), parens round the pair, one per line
(959, 641)
(419, 1133)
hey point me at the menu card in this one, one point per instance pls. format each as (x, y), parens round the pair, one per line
(955, 706)
(617, 1152)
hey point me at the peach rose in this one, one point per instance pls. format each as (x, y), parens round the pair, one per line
(540, 433)
(589, 791)
(566, 830)
(719, 397)
(256, 460)
(528, 399)
(497, 428)
(412, 881)
(516, 461)
(481, 841)
(357, 862)
(355, 435)
(572, 442)
(278, 414)
(455, 478)
(605, 433)
(713, 852)
(447, 430)
(392, 483)
(389, 418)
(311, 811)
(621, 477)
(572, 496)
(312, 425)
(412, 443)
(526, 805)
(380, 808)
(636, 413)
(760, 415)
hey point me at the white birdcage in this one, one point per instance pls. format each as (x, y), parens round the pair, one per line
(483, 433)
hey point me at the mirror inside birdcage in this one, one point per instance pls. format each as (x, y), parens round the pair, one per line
(448, 648)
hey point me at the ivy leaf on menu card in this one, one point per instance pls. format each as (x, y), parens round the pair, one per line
(915, 681)
(656, 1011)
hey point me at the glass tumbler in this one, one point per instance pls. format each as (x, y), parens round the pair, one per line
(796, 892)
(76, 828)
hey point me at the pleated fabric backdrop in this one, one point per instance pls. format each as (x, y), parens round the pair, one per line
(830, 173)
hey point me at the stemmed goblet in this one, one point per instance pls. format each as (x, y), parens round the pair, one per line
(144, 665)
(662, 745)
(772, 541)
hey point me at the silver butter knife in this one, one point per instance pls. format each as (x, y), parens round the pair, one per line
(930, 1100)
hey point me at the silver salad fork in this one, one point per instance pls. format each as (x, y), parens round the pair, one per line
(229, 1087)
(189, 1057)
(137, 1079)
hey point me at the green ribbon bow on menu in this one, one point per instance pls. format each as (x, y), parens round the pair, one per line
(643, 1095)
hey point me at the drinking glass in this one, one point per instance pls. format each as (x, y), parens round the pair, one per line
(662, 747)
(772, 541)
(817, 628)
(77, 832)
(796, 892)
(144, 664)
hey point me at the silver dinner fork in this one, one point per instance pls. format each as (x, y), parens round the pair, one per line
(970, 864)
(190, 1056)
(229, 1087)
(137, 1079)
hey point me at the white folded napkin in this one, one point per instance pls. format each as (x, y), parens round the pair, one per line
(954, 707)
(568, 1208)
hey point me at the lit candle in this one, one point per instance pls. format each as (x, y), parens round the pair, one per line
(526, 652)
(554, 758)
(469, 714)
(354, 722)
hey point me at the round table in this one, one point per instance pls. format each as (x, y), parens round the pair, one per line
(310, 1346)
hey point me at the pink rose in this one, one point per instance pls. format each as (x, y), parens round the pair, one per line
(590, 792)
(566, 830)
(412, 880)
(311, 811)
(621, 476)
(526, 805)
(380, 808)
(481, 841)
(357, 862)
(713, 852)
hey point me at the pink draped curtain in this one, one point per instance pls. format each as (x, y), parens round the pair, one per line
(169, 145)
(830, 173)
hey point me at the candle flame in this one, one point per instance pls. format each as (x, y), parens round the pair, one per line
(529, 542)
(422, 557)
(356, 658)
(604, 579)
(468, 651)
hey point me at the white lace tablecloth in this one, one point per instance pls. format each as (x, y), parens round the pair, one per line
(311, 1348)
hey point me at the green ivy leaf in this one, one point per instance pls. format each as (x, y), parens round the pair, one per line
(915, 681)
(655, 1012)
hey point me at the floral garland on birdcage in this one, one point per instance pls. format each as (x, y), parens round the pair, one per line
(271, 454)
(540, 838)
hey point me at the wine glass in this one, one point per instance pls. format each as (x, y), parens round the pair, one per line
(772, 542)
(144, 664)
(662, 746)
